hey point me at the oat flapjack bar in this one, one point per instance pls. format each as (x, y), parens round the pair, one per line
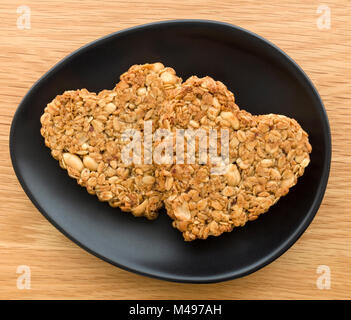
(84, 132)
(266, 156)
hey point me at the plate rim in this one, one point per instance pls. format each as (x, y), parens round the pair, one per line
(286, 245)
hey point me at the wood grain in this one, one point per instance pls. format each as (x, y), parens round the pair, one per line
(59, 268)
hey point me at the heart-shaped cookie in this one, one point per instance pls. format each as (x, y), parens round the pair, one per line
(85, 134)
(267, 154)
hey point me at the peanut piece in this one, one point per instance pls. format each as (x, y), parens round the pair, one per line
(233, 175)
(168, 78)
(110, 108)
(148, 180)
(140, 209)
(182, 212)
(90, 163)
(73, 161)
(231, 118)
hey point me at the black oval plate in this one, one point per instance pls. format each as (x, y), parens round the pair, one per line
(263, 79)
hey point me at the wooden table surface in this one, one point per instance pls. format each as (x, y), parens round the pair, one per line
(59, 268)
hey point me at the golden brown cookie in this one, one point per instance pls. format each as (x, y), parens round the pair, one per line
(266, 156)
(85, 134)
